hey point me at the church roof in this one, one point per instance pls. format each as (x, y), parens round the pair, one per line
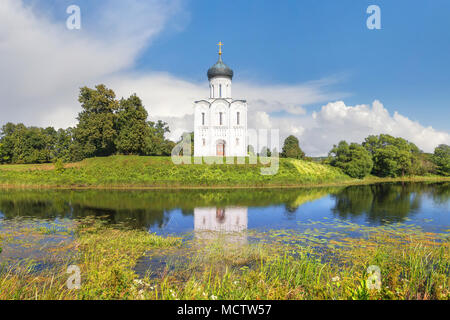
(220, 69)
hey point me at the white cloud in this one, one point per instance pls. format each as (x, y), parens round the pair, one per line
(172, 99)
(336, 121)
(43, 65)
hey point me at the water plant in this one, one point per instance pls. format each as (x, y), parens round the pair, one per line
(414, 265)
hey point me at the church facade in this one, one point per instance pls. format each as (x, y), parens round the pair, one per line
(220, 122)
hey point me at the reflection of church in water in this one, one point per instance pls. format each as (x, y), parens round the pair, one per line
(229, 222)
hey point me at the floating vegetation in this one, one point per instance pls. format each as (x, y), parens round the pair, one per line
(325, 259)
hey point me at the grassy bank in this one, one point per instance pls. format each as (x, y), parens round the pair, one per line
(413, 265)
(159, 172)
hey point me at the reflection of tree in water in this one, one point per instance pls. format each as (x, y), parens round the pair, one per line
(142, 209)
(441, 193)
(391, 202)
(137, 218)
(303, 196)
(146, 209)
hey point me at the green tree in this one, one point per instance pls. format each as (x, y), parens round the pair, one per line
(353, 159)
(21, 144)
(7, 143)
(422, 164)
(133, 130)
(391, 156)
(291, 148)
(157, 144)
(441, 159)
(63, 144)
(96, 132)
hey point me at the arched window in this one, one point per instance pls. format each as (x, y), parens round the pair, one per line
(203, 118)
(237, 141)
(220, 118)
(220, 91)
(204, 142)
(238, 120)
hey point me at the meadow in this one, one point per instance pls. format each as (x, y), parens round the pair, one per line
(160, 172)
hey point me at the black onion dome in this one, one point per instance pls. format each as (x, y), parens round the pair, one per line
(220, 69)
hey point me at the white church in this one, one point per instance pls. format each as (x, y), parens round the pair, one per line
(220, 122)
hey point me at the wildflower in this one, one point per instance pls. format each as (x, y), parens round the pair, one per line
(335, 279)
(213, 297)
(138, 281)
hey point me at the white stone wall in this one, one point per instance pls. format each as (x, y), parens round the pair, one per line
(220, 88)
(208, 133)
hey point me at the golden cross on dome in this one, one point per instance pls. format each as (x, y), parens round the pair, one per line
(220, 44)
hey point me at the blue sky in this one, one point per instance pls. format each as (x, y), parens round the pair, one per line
(406, 64)
(309, 68)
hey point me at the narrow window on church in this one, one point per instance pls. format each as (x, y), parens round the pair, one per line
(220, 91)
(220, 118)
(203, 118)
(237, 118)
(204, 142)
(237, 141)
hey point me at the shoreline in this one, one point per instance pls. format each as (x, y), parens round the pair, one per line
(354, 182)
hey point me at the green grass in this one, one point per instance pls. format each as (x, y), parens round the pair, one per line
(105, 256)
(160, 172)
(135, 171)
(414, 265)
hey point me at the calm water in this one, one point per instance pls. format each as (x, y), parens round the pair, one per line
(180, 212)
(241, 216)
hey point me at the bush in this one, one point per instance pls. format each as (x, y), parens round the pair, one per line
(353, 159)
(59, 166)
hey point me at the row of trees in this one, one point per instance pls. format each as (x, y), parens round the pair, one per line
(382, 155)
(291, 149)
(106, 126)
(387, 156)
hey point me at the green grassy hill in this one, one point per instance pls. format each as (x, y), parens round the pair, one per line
(135, 171)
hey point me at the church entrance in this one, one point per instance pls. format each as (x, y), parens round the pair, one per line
(220, 148)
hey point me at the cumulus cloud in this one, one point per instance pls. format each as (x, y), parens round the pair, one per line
(337, 121)
(169, 98)
(43, 66)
